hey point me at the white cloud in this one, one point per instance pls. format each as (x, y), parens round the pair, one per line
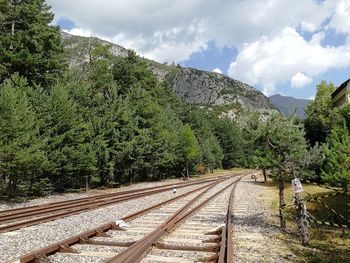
(266, 34)
(341, 17)
(300, 80)
(272, 61)
(79, 32)
(217, 70)
(311, 97)
(151, 27)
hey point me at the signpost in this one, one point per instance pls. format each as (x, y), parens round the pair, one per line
(297, 187)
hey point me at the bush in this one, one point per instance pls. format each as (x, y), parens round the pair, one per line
(41, 188)
(201, 169)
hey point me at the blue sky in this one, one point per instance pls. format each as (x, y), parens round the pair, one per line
(277, 46)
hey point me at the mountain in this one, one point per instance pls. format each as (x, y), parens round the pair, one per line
(209, 88)
(194, 86)
(284, 104)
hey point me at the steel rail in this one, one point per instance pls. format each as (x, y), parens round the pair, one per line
(79, 209)
(92, 201)
(13, 211)
(226, 250)
(84, 237)
(136, 251)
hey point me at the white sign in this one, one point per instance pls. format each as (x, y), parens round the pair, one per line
(297, 187)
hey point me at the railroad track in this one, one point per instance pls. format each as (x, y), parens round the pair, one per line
(192, 227)
(14, 219)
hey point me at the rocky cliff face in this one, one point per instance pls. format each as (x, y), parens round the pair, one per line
(194, 86)
(78, 48)
(209, 88)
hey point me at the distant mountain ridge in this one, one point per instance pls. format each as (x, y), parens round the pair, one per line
(195, 86)
(284, 104)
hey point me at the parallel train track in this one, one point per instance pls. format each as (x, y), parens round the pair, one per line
(192, 227)
(27, 216)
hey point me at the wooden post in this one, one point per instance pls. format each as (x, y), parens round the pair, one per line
(264, 173)
(282, 203)
(303, 223)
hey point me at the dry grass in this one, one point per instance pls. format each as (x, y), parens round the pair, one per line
(327, 244)
(218, 172)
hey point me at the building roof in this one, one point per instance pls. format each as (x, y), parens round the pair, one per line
(340, 88)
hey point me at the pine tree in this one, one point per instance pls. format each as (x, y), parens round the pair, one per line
(336, 170)
(286, 149)
(22, 159)
(231, 142)
(28, 44)
(69, 138)
(188, 147)
(320, 116)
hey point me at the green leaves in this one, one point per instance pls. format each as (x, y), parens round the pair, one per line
(28, 44)
(281, 147)
(336, 170)
(330, 127)
(109, 124)
(320, 115)
(69, 136)
(21, 151)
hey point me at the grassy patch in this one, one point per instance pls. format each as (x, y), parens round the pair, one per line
(340, 203)
(218, 172)
(327, 244)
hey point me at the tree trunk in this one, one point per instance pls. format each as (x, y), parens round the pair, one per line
(282, 204)
(264, 173)
(187, 173)
(13, 23)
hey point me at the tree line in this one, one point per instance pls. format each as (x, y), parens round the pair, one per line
(109, 123)
(112, 122)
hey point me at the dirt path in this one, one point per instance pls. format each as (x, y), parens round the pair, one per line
(256, 232)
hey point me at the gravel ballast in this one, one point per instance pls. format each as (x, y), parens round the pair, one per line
(136, 229)
(22, 241)
(70, 196)
(255, 236)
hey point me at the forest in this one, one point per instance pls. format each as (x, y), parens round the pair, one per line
(113, 122)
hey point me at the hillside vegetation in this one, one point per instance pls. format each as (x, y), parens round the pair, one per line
(194, 86)
(78, 110)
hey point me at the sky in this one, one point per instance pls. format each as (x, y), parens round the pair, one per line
(276, 46)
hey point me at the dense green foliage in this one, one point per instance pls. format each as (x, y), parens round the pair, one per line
(329, 126)
(22, 156)
(111, 124)
(337, 151)
(320, 116)
(281, 147)
(28, 44)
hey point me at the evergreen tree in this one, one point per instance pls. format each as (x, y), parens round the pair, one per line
(189, 148)
(131, 71)
(28, 44)
(211, 153)
(336, 170)
(231, 142)
(69, 139)
(284, 145)
(320, 117)
(22, 160)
